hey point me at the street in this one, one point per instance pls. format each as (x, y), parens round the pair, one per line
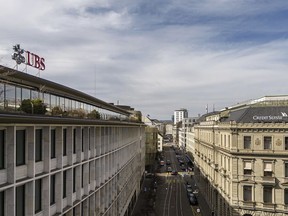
(165, 194)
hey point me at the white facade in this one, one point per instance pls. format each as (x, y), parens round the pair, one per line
(179, 115)
(160, 143)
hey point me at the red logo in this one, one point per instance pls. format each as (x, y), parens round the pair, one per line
(35, 60)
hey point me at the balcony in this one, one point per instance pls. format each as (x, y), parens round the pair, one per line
(268, 180)
(284, 181)
(249, 204)
(269, 206)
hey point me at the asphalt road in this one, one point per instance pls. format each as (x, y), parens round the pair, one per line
(165, 194)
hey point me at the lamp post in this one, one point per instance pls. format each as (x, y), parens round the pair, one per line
(32, 106)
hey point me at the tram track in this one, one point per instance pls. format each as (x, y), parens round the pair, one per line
(173, 197)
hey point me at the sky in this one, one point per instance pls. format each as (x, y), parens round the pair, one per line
(155, 56)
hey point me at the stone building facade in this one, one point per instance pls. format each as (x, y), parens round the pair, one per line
(241, 158)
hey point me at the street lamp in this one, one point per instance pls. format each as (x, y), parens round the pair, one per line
(32, 106)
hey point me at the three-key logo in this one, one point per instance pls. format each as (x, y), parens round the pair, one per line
(18, 54)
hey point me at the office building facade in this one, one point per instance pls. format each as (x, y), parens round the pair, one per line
(179, 115)
(66, 164)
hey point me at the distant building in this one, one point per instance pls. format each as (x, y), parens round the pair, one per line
(184, 130)
(160, 142)
(151, 146)
(241, 158)
(169, 128)
(180, 114)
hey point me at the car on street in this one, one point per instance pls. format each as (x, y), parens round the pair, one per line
(193, 199)
(169, 169)
(168, 162)
(149, 175)
(174, 172)
(189, 190)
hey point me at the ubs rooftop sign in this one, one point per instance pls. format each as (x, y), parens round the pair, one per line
(28, 58)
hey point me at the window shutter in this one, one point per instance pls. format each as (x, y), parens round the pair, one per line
(268, 167)
(247, 165)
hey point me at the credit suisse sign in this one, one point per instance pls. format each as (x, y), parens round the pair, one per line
(28, 58)
(283, 116)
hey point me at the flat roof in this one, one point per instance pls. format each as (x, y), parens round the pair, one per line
(43, 85)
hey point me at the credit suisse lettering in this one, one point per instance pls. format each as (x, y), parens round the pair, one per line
(267, 118)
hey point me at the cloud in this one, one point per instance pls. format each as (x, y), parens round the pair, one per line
(155, 56)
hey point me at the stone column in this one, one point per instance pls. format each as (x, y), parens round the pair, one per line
(10, 155)
(30, 137)
(46, 148)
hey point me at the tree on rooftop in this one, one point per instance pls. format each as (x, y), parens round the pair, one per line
(35, 106)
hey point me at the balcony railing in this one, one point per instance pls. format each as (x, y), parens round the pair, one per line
(268, 179)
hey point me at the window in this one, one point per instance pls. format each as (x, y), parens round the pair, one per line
(74, 140)
(10, 92)
(38, 195)
(82, 176)
(38, 145)
(20, 201)
(286, 143)
(2, 90)
(53, 143)
(2, 149)
(286, 196)
(82, 138)
(267, 194)
(247, 168)
(267, 142)
(267, 168)
(286, 169)
(247, 142)
(52, 189)
(2, 201)
(20, 147)
(64, 183)
(247, 193)
(89, 141)
(64, 142)
(74, 180)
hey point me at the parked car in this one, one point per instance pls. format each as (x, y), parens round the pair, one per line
(149, 175)
(169, 169)
(189, 190)
(168, 162)
(174, 172)
(193, 199)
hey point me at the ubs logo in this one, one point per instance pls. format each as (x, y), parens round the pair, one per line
(18, 54)
(31, 58)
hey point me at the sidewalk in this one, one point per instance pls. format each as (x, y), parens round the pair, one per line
(146, 200)
(145, 205)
